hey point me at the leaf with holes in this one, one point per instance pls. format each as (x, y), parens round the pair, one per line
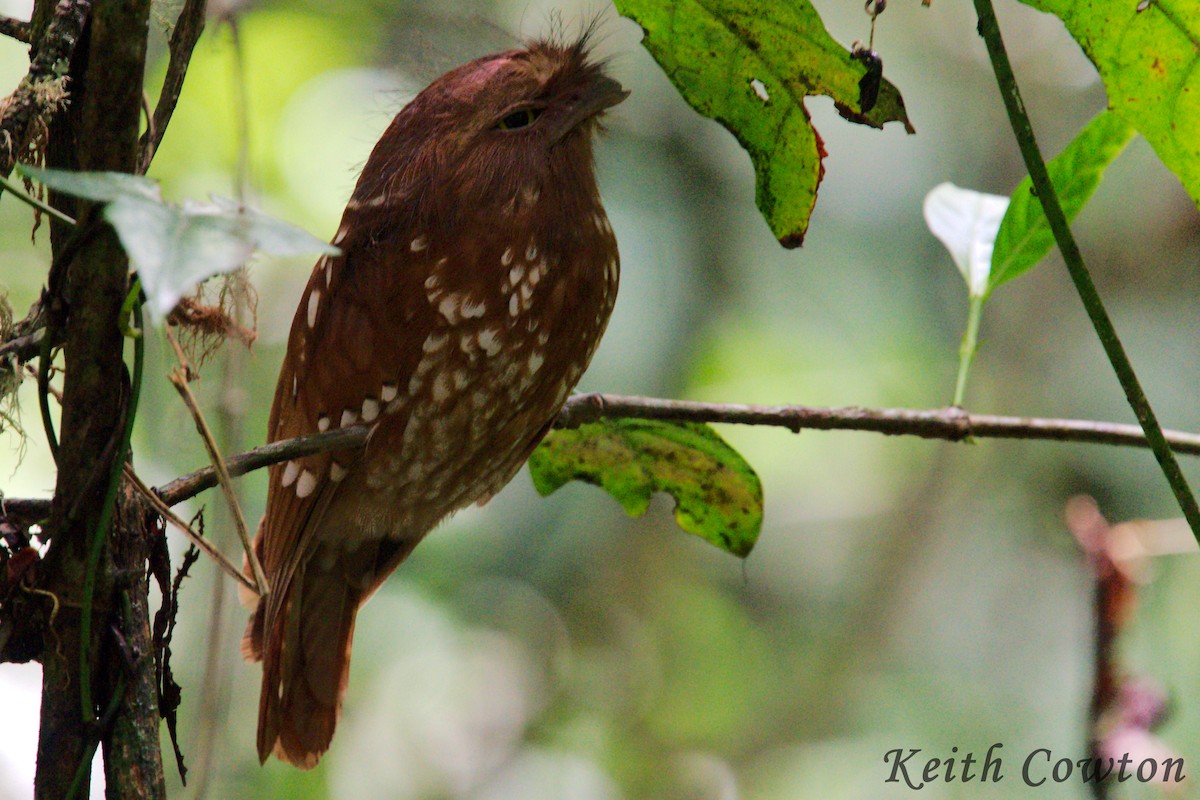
(1024, 237)
(174, 248)
(749, 65)
(1148, 54)
(717, 495)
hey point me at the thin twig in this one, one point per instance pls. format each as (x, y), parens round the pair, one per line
(989, 29)
(179, 380)
(10, 187)
(170, 516)
(23, 347)
(188, 27)
(196, 482)
(15, 29)
(241, 109)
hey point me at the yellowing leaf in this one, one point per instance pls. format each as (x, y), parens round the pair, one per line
(717, 494)
(749, 65)
(1148, 54)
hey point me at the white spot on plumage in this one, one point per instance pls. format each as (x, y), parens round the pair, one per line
(531, 251)
(305, 484)
(290, 470)
(526, 293)
(336, 472)
(515, 274)
(374, 202)
(460, 378)
(530, 195)
(535, 273)
(451, 308)
(489, 341)
(418, 244)
(388, 392)
(536, 359)
(414, 385)
(328, 273)
(507, 257)
(441, 388)
(295, 386)
(513, 307)
(543, 337)
(341, 235)
(370, 409)
(314, 302)
(348, 418)
(434, 342)
(323, 423)
(472, 309)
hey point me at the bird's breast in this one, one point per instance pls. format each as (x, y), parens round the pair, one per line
(513, 334)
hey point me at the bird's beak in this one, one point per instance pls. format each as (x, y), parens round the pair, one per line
(602, 94)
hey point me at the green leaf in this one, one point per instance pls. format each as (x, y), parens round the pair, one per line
(1148, 54)
(717, 494)
(1025, 237)
(749, 65)
(174, 248)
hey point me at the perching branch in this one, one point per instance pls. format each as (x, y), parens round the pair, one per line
(15, 29)
(950, 424)
(1043, 187)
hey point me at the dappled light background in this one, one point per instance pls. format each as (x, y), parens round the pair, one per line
(904, 593)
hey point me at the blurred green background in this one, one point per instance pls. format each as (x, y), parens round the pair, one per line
(904, 593)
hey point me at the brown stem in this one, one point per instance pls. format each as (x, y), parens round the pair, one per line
(188, 27)
(179, 380)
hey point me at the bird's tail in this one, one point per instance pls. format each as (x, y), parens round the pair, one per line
(304, 645)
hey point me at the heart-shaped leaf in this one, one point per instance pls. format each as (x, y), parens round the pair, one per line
(966, 222)
(174, 248)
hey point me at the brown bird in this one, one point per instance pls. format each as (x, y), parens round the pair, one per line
(477, 274)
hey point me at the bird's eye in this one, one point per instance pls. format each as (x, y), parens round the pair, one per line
(519, 119)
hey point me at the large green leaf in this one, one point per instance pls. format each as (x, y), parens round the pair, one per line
(717, 494)
(173, 248)
(749, 65)
(1024, 237)
(1148, 54)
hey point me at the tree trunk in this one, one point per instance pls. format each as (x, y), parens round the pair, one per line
(98, 131)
